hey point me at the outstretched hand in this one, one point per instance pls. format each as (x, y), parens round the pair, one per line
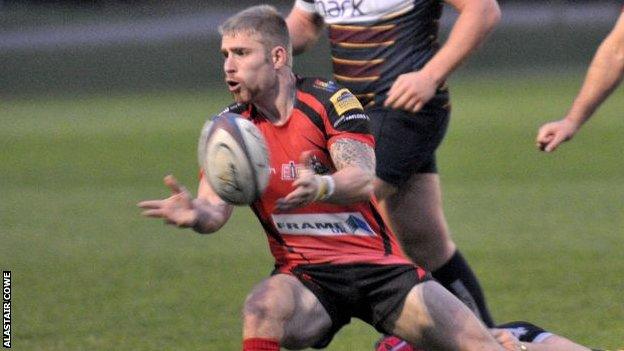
(552, 134)
(411, 91)
(176, 210)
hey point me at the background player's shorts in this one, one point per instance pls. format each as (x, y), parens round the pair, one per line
(405, 143)
(372, 293)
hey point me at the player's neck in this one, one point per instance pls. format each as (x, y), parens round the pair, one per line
(278, 107)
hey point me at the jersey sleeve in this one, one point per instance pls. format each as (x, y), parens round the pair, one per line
(305, 5)
(347, 118)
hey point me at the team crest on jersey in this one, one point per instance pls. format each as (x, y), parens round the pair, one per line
(327, 86)
(344, 101)
(290, 170)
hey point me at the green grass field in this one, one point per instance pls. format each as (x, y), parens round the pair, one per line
(543, 232)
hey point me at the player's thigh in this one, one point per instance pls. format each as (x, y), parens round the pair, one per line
(282, 307)
(433, 318)
(415, 213)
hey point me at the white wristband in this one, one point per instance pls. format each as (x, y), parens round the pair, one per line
(327, 186)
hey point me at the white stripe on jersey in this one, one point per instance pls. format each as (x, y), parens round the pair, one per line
(354, 11)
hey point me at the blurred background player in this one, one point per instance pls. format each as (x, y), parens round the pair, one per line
(324, 275)
(513, 336)
(387, 53)
(603, 76)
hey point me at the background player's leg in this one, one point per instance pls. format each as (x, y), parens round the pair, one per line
(280, 311)
(433, 319)
(415, 214)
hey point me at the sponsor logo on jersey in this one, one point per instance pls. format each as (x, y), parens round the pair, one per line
(323, 224)
(344, 101)
(327, 86)
(340, 8)
(348, 118)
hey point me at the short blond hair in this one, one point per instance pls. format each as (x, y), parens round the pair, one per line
(264, 21)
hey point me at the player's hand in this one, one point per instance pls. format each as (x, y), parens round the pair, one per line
(306, 190)
(507, 340)
(176, 210)
(552, 134)
(411, 91)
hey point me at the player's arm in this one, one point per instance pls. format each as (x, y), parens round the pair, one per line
(205, 214)
(355, 171)
(604, 74)
(304, 26)
(476, 19)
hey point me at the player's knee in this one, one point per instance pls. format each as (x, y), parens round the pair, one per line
(259, 309)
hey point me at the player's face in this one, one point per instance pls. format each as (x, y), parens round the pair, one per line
(249, 73)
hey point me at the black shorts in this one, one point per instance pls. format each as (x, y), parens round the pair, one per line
(405, 143)
(370, 292)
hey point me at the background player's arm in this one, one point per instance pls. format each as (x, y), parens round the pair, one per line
(304, 27)
(603, 76)
(205, 214)
(476, 19)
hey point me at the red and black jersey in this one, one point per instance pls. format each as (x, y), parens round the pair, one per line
(320, 232)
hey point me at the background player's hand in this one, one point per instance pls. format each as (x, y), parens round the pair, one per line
(507, 340)
(177, 209)
(411, 91)
(552, 134)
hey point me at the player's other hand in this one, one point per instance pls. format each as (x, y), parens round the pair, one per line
(507, 340)
(411, 91)
(552, 134)
(176, 210)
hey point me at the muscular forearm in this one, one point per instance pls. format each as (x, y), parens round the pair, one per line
(476, 20)
(603, 76)
(352, 184)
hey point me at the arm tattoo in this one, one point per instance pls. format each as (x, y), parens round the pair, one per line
(350, 152)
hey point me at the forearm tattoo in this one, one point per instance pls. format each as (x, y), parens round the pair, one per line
(352, 153)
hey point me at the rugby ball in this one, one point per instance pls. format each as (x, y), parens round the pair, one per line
(234, 157)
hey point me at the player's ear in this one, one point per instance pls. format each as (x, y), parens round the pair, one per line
(279, 56)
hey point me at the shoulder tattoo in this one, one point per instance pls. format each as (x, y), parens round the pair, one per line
(350, 152)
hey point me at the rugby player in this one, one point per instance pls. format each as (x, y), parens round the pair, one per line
(603, 76)
(324, 275)
(512, 336)
(387, 53)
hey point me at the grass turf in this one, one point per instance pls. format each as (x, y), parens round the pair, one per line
(543, 232)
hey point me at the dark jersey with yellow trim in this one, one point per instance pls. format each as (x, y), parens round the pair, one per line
(375, 41)
(318, 233)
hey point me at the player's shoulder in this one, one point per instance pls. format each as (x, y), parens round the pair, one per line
(330, 94)
(320, 88)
